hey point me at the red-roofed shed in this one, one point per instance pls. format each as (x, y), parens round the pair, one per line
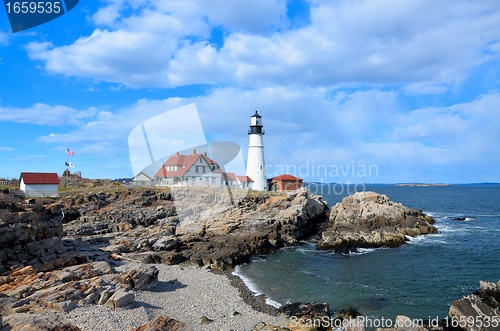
(39, 184)
(286, 182)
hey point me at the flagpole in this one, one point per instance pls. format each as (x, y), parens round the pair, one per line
(67, 170)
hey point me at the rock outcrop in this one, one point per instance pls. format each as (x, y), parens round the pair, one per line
(30, 232)
(46, 272)
(369, 219)
(144, 224)
(477, 311)
(38, 322)
(28, 291)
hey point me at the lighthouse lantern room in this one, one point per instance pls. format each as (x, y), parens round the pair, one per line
(256, 166)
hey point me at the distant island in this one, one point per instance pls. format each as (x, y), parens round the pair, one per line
(422, 184)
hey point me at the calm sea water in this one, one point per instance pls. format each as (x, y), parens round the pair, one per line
(419, 279)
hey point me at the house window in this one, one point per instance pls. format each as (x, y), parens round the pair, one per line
(201, 161)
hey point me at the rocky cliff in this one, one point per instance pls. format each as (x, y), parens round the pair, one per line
(369, 219)
(55, 254)
(144, 224)
(477, 311)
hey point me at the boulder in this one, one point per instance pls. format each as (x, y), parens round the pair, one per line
(404, 323)
(161, 323)
(480, 309)
(303, 314)
(121, 299)
(369, 219)
(37, 322)
(265, 327)
(139, 279)
(165, 243)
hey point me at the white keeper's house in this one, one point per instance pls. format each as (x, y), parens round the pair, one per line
(39, 184)
(197, 170)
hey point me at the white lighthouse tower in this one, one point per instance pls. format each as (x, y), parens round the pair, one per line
(256, 166)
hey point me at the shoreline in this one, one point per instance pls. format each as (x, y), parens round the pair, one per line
(187, 294)
(255, 300)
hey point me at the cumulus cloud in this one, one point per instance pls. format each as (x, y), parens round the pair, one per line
(43, 114)
(423, 44)
(309, 126)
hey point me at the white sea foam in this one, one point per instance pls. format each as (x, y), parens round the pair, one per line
(273, 303)
(416, 239)
(248, 282)
(361, 251)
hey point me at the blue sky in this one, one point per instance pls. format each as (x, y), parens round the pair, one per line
(350, 91)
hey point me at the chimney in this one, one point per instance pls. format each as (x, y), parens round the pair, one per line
(194, 151)
(177, 153)
(205, 154)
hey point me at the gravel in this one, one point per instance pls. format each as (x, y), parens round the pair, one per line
(186, 294)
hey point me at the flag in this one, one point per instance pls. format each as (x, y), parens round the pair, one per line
(69, 164)
(70, 152)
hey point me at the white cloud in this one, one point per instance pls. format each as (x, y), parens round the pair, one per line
(4, 38)
(6, 149)
(424, 44)
(43, 114)
(309, 125)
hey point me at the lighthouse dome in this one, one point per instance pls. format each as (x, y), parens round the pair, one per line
(256, 124)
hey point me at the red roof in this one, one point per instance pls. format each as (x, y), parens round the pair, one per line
(229, 176)
(286, 177)
(40, 178)
(244, 179)
(184, 162)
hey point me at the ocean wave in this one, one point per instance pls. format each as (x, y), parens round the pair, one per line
(247, 281)
(316, 275)
(362, 251)
(416, 239)
(273, 303)
(431, 239)
(446, 228)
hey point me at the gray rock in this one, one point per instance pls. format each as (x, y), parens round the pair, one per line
(64, 306)
(121, 299)
(105, 295)
(165, 243)
(139, 279)
(42, 322)
(161, 323)
(472, 308)
(369, 219)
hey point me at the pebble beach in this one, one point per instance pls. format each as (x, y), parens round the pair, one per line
(201, 298)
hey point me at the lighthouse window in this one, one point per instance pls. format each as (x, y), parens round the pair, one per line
(260, 167)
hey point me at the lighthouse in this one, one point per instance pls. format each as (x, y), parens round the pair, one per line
(256, 166)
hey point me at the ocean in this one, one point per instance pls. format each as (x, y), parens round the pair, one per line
(419, 279)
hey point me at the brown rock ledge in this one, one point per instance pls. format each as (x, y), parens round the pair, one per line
(369, 220)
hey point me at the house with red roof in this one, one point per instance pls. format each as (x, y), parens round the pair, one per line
(244, 182)
(286, 182)
(39, 184)
(196, 169)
